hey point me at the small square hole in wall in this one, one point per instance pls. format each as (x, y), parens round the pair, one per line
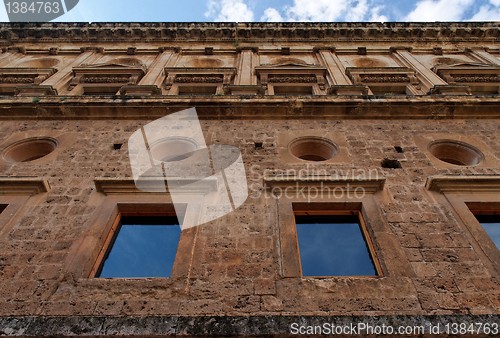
(258, 145)
(398, 149)
(390, 164)
(117, 146)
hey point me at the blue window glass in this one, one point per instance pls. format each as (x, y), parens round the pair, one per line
(491, 224)
(142, 247)
(333, 245)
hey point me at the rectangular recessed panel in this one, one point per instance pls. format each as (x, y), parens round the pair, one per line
(491, 224)
(333, 245)
(101, 91)
(142, 247)
(293, 90)
(197, 90)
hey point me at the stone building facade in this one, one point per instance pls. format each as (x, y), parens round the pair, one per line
(396, 123)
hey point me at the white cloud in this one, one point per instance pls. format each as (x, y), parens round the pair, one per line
(439, 10)
(229, 10)
(327, 11)
(486, 13)
(358, 12)
(317, 10)
(271, 15)
(375, 15)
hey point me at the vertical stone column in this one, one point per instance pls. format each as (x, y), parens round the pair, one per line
(342, 83)
(152, 82)
(8, 57)
(60, 80)
(484, 56)
(245, 74)
(334, 66)
(427, 77)
(155, 75)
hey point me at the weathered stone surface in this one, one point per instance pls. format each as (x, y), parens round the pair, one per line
(237, 276)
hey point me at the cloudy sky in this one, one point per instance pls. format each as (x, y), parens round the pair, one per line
(281, 10)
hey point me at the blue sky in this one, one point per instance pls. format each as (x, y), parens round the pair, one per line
(281, 10)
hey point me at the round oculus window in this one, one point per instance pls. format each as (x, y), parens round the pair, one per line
(456, 152)
(30, 149)
(313, 148)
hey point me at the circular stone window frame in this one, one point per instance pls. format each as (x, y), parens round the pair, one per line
(156, 147)
(466, 155)
(321, 147)
(30, 150)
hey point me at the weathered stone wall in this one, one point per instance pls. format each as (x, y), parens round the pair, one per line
(235, 268)
(435, 259)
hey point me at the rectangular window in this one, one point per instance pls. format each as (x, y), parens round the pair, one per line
(334, 245)
(491, 224)
(139, 247)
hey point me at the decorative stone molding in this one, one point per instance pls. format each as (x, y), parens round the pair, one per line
(291, 73)
(218, 77)
(373, 75)
(23, 186)
(13, 78)
(292, 79)
(106, 74)
(469, 184)
(481, 78)
(296, 31)
(113, 186)
(199, 75)
(384, 79)
(189, 78)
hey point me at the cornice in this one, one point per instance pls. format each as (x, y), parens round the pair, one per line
(23, 186)
(246, 32)
(252, 107)
(464, 184)
(148, 185)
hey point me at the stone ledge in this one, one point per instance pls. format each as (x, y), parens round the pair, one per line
(203, 32)
(252, 107)
(23, 186)
(458, 184)
(150, 185)
(211, 326)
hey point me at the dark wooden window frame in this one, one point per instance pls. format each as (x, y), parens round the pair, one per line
(352, 209)
(127, 210)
